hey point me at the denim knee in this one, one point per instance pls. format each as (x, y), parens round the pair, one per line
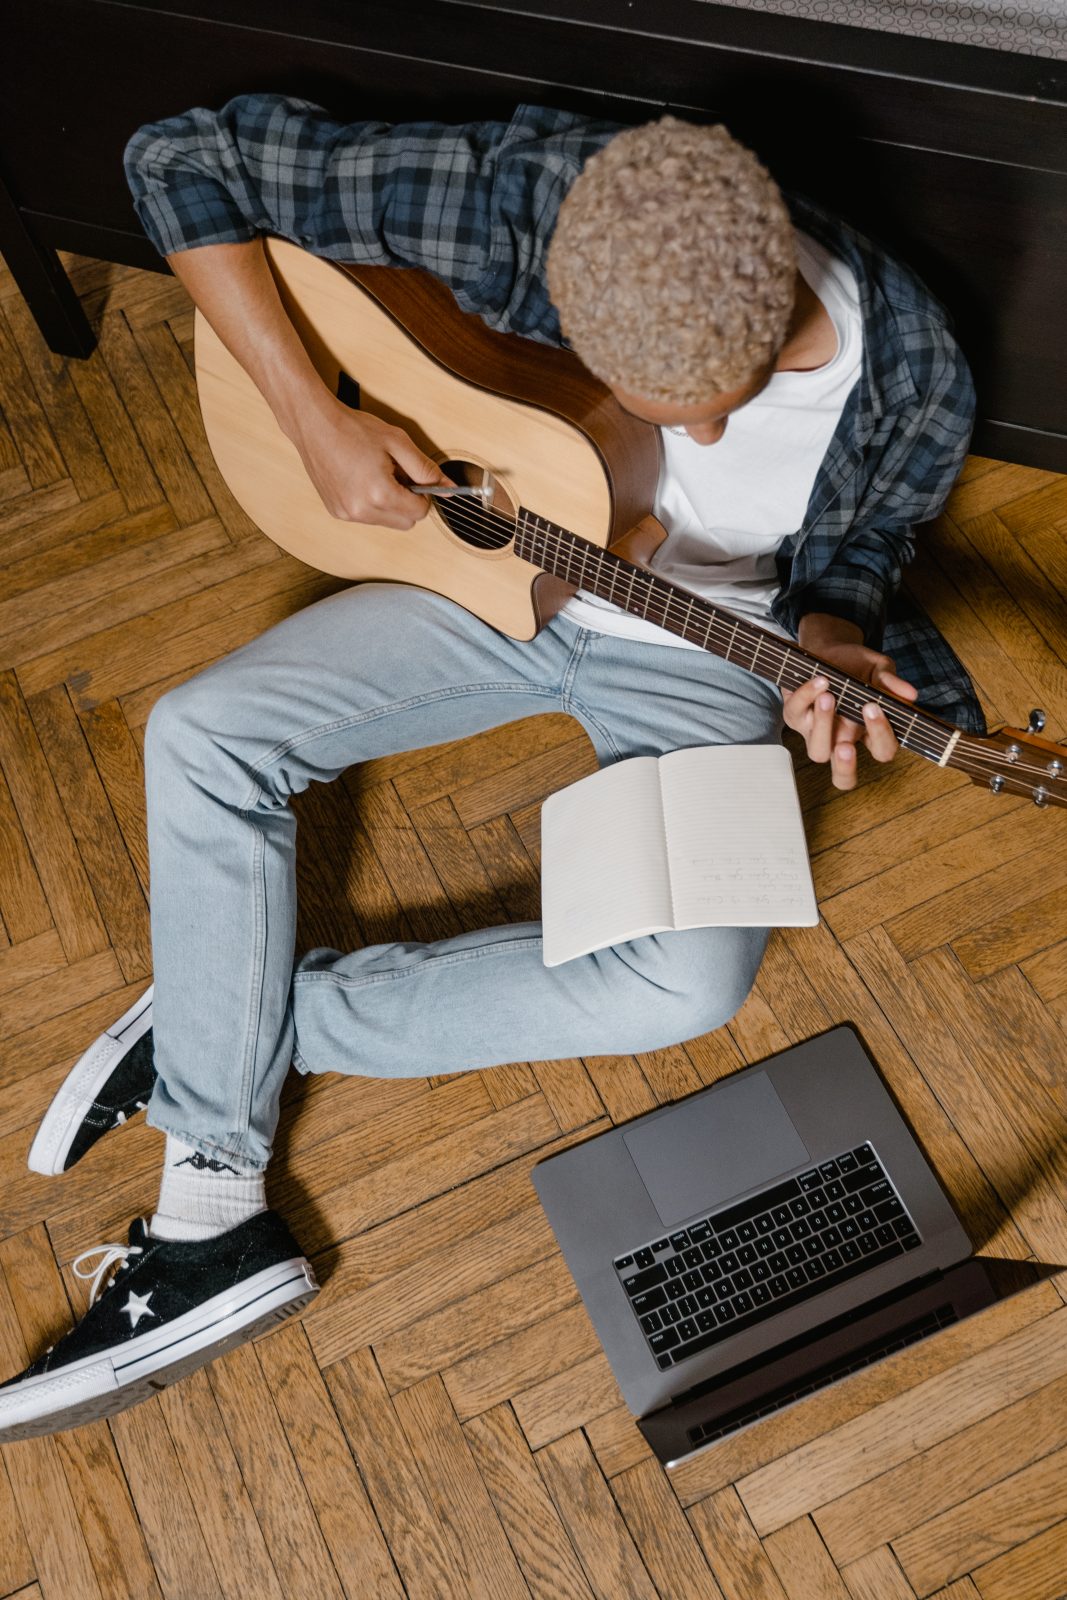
(694, 979)
(176, 717)
(186, 739)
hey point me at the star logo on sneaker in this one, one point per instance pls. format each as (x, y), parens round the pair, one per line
(137, 1307)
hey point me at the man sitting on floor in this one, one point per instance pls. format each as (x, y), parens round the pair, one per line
(838, 407)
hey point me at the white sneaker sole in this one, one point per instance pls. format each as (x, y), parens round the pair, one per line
(79, 1088)
(98, 1386)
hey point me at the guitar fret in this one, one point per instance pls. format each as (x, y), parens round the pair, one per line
(582, 568)
(618, 575)
(798, 672)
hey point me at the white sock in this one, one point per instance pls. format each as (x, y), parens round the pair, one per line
(202, 1196)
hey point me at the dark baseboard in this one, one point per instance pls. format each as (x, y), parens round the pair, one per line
(1026, 447)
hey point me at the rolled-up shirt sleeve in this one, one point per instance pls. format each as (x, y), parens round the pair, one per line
(368, 191)
(474, 204)
(908, 480)
(859, 582)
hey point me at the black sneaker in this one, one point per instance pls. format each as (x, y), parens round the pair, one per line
(109, 1084)
(171, 1306)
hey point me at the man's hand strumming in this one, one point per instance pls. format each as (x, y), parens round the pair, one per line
(360, 466)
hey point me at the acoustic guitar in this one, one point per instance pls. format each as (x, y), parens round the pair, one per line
(567, 478)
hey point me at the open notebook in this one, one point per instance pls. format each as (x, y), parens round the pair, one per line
(706, 837)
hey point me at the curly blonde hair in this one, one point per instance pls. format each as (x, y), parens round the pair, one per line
(672, 264)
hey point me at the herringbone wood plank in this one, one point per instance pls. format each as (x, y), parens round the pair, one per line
(443, 1422)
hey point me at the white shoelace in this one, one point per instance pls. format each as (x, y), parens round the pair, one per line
(111, 1253)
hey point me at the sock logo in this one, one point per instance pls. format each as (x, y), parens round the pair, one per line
(202, 1163)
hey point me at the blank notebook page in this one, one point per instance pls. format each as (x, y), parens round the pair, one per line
(604, 860)
(707, 837)
(735, 838)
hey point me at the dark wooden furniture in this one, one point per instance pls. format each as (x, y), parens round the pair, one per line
(956, 157)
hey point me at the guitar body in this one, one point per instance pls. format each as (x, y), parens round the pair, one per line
(547, 433)
(573, 476)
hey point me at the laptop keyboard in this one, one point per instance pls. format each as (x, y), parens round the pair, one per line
(738, 1266)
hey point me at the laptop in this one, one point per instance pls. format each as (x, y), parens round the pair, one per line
(760, 1240)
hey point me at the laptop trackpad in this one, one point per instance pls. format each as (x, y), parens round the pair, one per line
(715, 1149)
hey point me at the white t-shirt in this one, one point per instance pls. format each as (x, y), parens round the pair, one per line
(728, 506)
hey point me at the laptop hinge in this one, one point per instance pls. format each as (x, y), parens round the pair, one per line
(803, 1341)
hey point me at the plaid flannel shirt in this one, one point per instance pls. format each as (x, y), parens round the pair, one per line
(475, 205)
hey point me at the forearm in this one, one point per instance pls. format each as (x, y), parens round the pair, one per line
(351, 457)
(853, 588)
(820, 629)
(234, 288)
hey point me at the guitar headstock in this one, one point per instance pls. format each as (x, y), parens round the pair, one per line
(1012, 761)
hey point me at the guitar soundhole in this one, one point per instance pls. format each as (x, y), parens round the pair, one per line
(485, 524)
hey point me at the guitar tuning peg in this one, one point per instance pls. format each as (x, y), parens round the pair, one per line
(1037, 720)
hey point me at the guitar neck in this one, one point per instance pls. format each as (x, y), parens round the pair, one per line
(710, 627)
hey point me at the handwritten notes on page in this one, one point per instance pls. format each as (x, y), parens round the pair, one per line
(706, 837)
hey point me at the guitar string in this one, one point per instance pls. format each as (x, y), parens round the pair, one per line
(475, 522)
(927, 743)
(847, 699)
(920, 746)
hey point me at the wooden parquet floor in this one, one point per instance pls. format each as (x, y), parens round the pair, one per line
(442, 1421)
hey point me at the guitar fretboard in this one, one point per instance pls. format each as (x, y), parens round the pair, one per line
(712, 628)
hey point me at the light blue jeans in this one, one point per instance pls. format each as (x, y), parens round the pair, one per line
(372, 671)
